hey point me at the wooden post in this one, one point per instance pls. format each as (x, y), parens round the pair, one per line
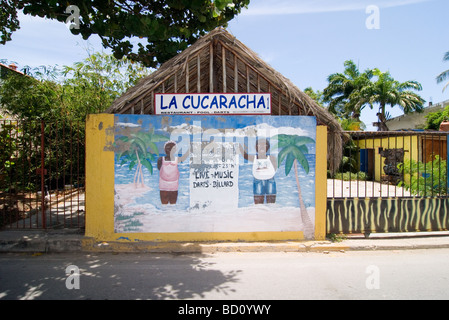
(176, 82)
(223, 58)
(152, 103)
(187, 78)
(236, 75)
(211, 68)
(198, 83)
(247, 79)
(280, 104)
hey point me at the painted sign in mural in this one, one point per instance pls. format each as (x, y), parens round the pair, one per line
(212, 103)
(214, 173)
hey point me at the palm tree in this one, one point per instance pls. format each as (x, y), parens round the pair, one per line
(445, 74)
(387, 91)
(139, 148)
(293, 148)
(343, 91)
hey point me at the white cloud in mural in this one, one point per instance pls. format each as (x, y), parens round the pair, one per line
(127, 125)
(259, 130)
(267, 131)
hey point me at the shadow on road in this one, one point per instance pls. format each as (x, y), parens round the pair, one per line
(112, 276)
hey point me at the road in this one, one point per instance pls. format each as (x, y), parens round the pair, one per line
(417, 274)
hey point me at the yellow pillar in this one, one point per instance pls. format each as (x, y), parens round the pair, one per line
(99, 176)
(321, 183)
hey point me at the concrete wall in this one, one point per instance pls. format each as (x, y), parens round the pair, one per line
(100, 185)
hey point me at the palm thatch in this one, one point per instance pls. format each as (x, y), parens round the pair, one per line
(219, 63)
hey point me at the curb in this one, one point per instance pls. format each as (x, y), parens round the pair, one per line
(90, 245)
(47, 242)
(40, 242)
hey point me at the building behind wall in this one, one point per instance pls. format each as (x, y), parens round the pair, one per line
(415, 120)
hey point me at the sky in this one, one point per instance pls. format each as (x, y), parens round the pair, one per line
(305, 40)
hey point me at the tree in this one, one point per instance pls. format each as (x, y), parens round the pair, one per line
(434, 119)
(349, 124)
(8, 20)
(99, 79)
(343, 91)
(317, 96)
(350, 92)
(168, 26)
(293, 149)
(89, 86)
(30, 98)
(387, 91)
(445, 74)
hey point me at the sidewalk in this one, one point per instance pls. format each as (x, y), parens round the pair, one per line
(72, 241)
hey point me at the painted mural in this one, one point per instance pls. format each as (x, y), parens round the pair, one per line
(214, 174)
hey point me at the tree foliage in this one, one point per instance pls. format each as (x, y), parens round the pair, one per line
(90, 86)
(168, 26)
(315, 95)
(425, 179)
(443, 76)
(388, 91)
(99, 80)
(348, 93)
(343, 93)
(8, 20)
(434, 119)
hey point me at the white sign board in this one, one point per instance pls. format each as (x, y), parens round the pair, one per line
(213, 103)
(214, 184)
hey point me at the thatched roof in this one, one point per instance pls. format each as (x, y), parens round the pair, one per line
(219, 63)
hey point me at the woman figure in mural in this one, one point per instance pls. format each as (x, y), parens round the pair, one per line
(264, 169)
(169, 173)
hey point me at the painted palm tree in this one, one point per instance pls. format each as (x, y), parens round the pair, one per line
(387, 91)
(293, 149)
(139, 149)
(443, 76)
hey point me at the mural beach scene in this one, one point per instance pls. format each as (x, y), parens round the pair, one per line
(214, 173)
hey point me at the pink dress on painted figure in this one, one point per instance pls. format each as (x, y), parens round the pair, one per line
(169, 175)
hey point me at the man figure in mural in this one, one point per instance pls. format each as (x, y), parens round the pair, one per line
(264, 169)
(169, 173)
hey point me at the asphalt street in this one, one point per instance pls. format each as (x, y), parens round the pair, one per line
(359, 275)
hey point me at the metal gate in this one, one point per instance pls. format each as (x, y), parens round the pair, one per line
(390, 182)
(41, 175)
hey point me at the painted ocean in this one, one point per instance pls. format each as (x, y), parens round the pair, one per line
(287, 191)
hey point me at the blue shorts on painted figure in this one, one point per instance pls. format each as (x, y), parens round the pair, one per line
(264, 187)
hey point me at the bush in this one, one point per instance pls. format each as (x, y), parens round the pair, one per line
(349, 176)
(425, 179)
